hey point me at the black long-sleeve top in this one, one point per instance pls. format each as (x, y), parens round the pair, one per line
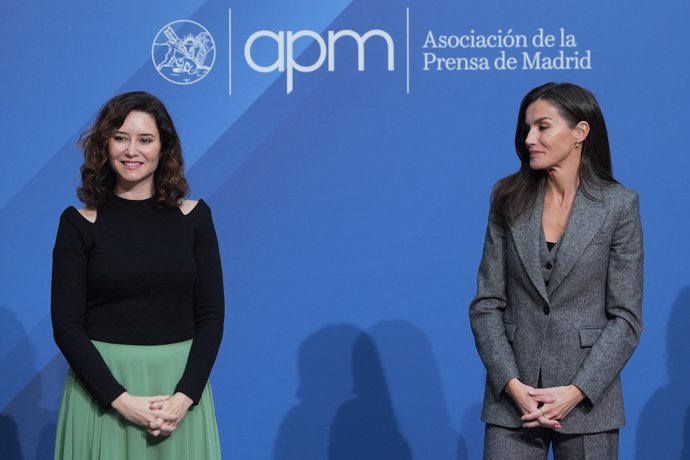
(141, 275)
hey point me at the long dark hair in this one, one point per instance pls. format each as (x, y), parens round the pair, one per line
(98, 178)
(513, 194)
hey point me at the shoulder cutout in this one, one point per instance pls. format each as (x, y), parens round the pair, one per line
(187, 206)
(88, 214)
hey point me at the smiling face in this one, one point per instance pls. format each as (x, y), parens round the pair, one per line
(133, 154)
(551, 141)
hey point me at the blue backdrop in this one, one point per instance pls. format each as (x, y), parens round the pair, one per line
(350, 205)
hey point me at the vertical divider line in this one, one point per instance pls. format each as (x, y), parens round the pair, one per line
(229, 51)
(407, 50)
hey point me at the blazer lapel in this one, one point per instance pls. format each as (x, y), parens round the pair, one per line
(526, 231)
(586, 218)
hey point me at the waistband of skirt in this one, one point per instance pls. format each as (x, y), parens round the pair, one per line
(142, 351)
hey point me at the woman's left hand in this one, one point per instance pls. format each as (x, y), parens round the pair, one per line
(178, 405)
(566, 398)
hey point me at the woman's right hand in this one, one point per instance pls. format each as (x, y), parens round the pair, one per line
(529, 405)
(137, 409)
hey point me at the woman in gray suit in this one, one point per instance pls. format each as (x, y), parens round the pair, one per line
(558, 310)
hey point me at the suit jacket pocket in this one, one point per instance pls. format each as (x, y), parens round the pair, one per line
(510, 329)
(589, 335)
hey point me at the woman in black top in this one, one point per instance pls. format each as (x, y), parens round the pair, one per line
(137, 296)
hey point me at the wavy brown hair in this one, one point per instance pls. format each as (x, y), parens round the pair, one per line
(98, 178)
(513, 194)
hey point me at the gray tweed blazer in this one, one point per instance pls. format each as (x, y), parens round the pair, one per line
(582, 328)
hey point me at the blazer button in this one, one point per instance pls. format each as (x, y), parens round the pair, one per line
(548, 265)
(547, 310)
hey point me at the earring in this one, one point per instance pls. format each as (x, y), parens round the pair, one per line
(577, 144)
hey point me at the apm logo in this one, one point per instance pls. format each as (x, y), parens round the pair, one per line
(286, 61)
(183, 52)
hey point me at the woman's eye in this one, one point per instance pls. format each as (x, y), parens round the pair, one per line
(543, 127)
(146, 140)
(119, 138)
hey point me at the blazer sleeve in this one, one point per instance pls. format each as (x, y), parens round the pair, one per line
(623, 306)
(486, 310)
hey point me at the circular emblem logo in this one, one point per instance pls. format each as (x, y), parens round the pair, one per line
(183, 52)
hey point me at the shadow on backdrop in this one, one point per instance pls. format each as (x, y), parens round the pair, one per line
(325, 375)
(9, 433)
(27, 423)
(663, 429)
(365, 427)
(472, 428)
(416, 391)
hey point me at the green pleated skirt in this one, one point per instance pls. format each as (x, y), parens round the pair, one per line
(85, 431)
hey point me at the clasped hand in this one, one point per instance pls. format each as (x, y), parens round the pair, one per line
(160, 415)
(177, 406)
(545, 407)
